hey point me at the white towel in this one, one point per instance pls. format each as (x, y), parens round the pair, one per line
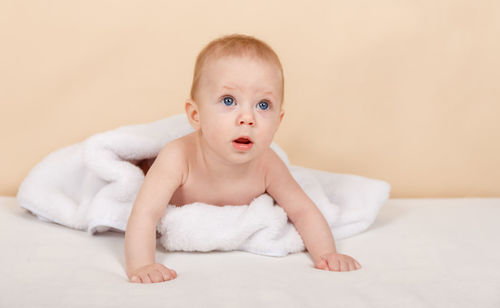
(92, 186)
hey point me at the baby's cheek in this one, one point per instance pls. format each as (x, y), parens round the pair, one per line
(210, 129)
(268, 134)
(216, 134)
(266, 141)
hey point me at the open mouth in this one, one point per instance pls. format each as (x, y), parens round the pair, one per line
(243, 140)
(242, 144)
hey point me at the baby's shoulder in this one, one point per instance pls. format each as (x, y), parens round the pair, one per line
(276, 170)
(270, 157)
(175, 153)
(172, 159)
(271, 162)
(177, 149)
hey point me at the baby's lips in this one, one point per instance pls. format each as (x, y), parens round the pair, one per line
(243, 140)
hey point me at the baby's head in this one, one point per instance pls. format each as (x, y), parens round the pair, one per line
(237, 92)
(235, 46)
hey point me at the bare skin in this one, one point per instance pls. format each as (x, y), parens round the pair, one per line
(226, 161)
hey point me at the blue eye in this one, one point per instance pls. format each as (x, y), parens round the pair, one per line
(263, 105)
(228, 101)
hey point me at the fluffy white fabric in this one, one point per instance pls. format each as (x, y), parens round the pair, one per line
(92, 186)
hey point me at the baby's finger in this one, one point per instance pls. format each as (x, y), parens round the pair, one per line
(322, 264)
(174, 273)
(334, 265)
(167, 275)
(356, 265)
(145, 278)
(156, 276)
(140, 278)
(343, 266)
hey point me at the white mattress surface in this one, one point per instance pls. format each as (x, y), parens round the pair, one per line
(418, 253)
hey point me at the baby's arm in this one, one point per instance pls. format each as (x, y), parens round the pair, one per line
(163, 178)
(306, 217)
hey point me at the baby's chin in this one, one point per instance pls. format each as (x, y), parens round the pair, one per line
(243, 157)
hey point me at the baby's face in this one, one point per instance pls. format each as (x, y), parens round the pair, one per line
(239, 106)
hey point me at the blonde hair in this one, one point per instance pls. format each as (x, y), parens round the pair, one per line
(234, 45)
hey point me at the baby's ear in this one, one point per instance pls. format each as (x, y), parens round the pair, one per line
(192, 113)
(282, 114)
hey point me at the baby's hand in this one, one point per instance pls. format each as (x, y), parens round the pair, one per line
(152, 273)
(337, 262)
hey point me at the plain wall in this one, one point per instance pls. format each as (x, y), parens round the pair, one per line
(404, 91)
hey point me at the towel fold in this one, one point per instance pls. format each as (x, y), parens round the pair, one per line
(92, 186)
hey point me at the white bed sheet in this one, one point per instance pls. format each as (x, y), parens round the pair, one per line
(418, 253)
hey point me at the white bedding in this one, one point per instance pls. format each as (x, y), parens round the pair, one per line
(418, 253)
(92, 185)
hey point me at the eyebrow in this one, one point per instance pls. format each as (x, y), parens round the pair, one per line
(232, 88)
(228, 87)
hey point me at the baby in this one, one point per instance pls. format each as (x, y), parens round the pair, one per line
(235, 108)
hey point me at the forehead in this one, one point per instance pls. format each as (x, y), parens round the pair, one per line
(241, 72)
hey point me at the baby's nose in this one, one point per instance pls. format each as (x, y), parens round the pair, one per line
(246, 118)
(247, 121)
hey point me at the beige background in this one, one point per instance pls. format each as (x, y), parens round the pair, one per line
(404, 91)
